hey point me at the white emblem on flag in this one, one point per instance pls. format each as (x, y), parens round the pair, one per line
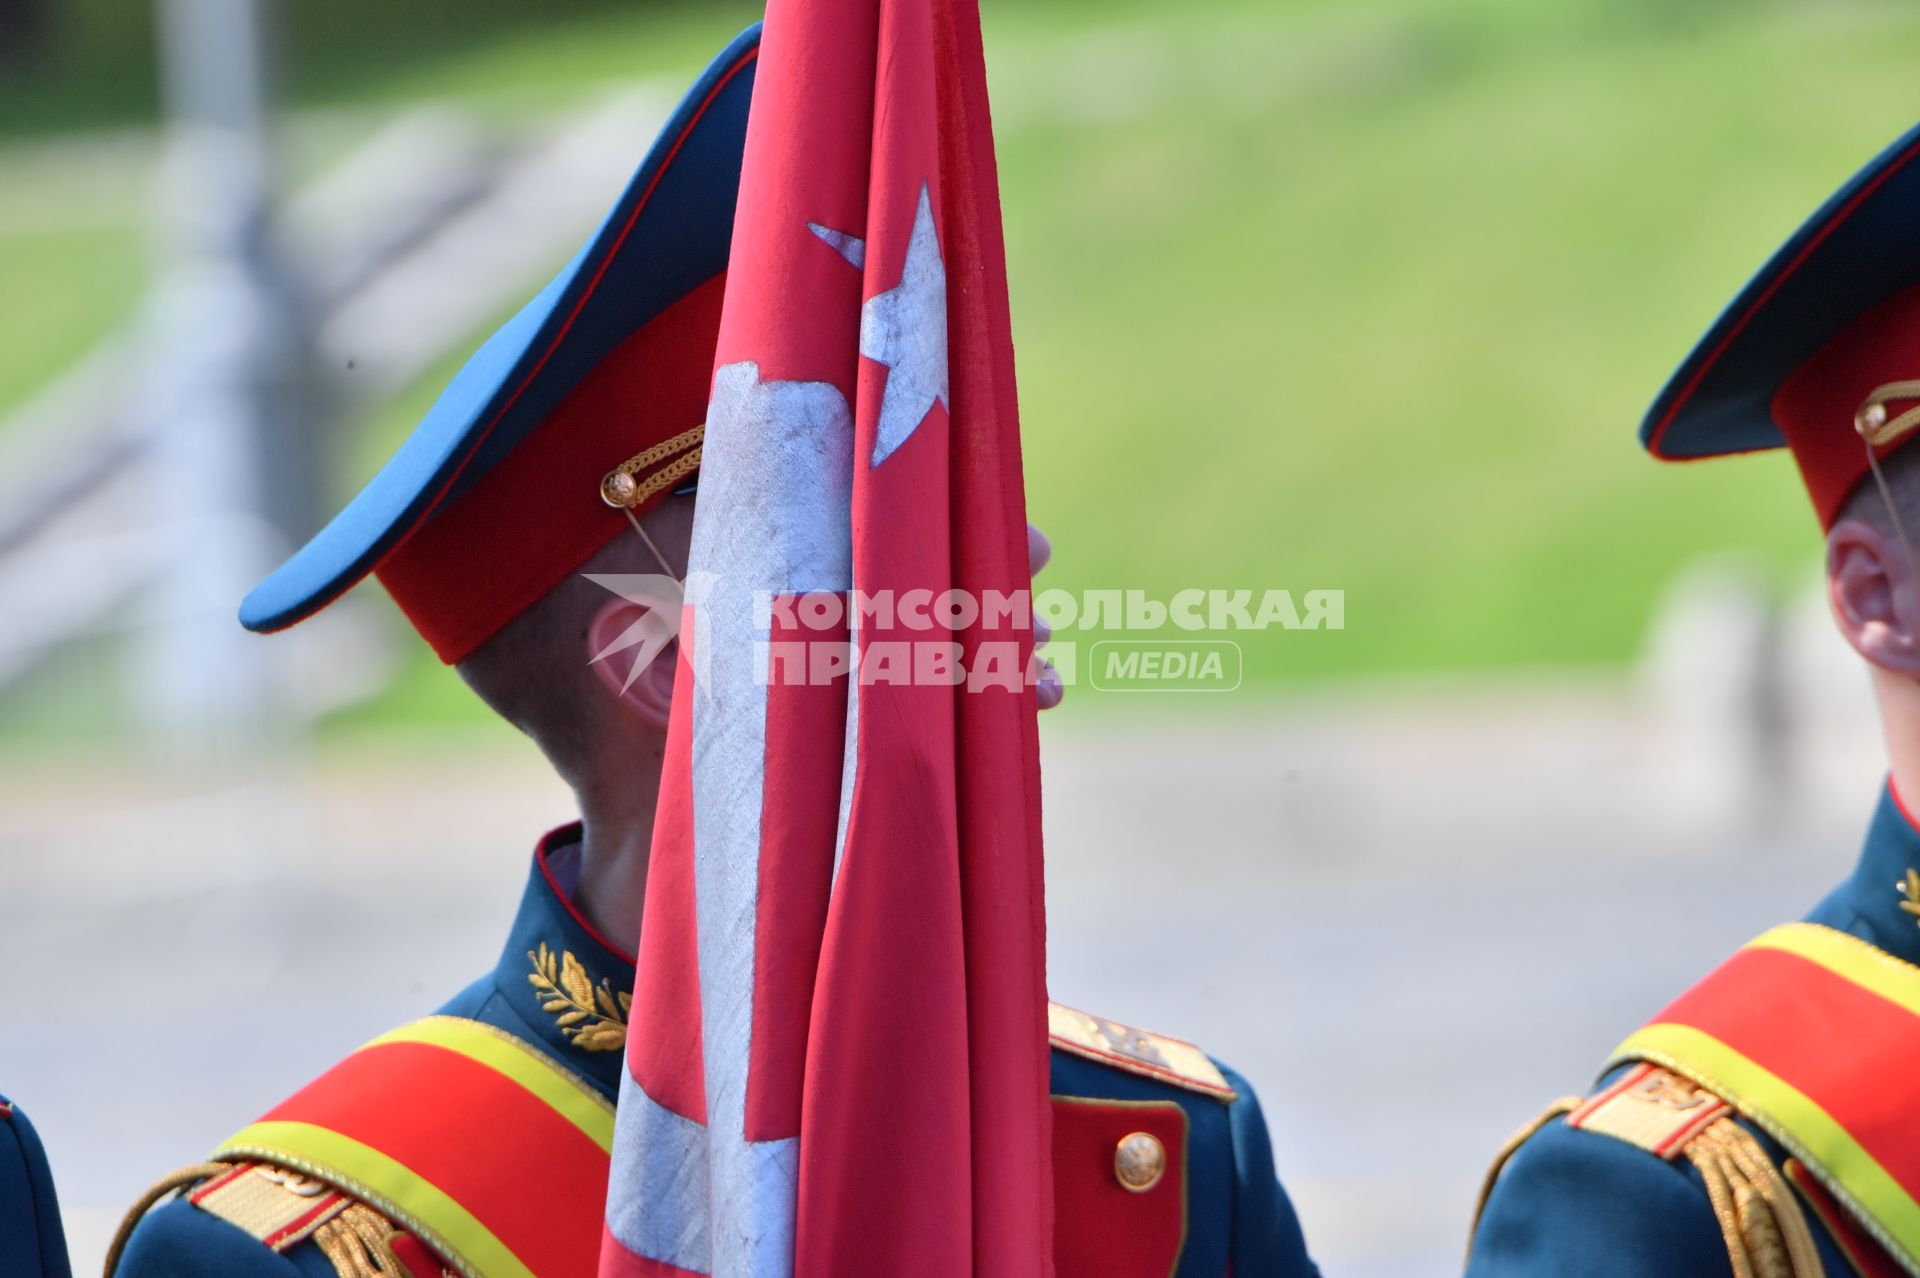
(905, 328)
(851, 247)
(774, 517)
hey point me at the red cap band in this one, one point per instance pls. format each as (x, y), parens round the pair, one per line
(1815, 407)
(537, 515)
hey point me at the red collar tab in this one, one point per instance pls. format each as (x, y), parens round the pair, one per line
(1900, 804)
(543, 853)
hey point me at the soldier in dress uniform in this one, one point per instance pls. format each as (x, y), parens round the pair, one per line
(31, 1243)
(476, 1140)
(1764, 1124)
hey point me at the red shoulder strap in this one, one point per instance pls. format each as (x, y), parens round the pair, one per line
(398, 1125)
(1811, 1034)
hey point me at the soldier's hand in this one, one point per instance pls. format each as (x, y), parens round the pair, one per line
(1048, 688)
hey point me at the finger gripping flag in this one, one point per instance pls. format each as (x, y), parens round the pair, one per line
(837, 1061)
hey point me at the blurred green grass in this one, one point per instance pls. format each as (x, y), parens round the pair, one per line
(65, 287)
(1366, 296)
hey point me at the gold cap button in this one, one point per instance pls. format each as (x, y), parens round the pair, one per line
(618, 489)
(1139, 1161)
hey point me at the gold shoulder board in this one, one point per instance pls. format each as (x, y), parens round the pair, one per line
(281, 1208)
(1672, 1117)
(1651, 1108)
(277, 1205)
(1170, 1060)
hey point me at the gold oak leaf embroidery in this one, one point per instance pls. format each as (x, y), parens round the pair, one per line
(1910, 889)
(593, 1017)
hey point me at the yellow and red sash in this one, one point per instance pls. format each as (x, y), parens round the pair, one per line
(1814, 1036)
(481, 1145)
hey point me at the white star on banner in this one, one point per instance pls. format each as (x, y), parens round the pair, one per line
(905, 328)
(851, 247)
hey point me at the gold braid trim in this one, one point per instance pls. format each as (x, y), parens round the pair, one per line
(621, 488)
(1764, 1227)
(665, 448)
(170, 1183)
(358, 1243)
(665, 477)
(1871, 421)
(1565, 1105)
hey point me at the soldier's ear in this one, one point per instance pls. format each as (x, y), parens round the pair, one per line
(632, 650)
(1875, 595)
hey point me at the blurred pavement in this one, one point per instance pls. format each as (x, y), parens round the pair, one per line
(1412, 918)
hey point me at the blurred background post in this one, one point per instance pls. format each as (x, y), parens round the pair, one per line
(1362, 296)
(230, 409)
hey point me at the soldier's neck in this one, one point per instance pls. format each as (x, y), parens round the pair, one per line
(1899, 698)
(616, 811)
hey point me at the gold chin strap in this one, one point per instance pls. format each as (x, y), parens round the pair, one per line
(1877, 430)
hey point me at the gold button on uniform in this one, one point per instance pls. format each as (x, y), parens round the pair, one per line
(1139, 1161)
